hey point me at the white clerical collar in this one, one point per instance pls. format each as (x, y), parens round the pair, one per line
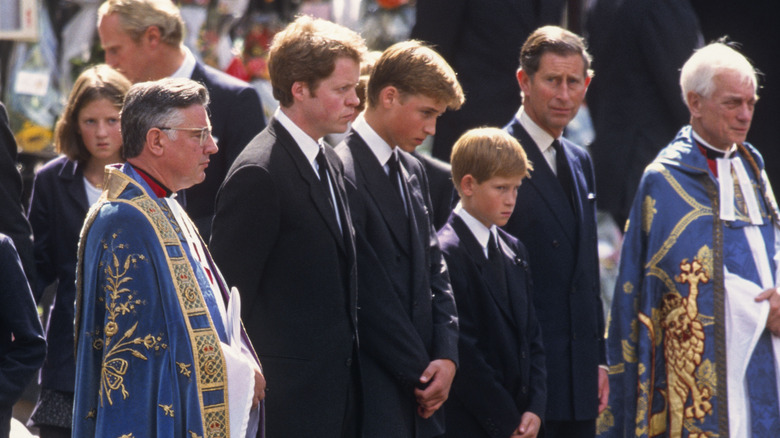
(309, 146)
(382, 151)
(187, 67)
(477, 228)
(541, 137)
(727, 154)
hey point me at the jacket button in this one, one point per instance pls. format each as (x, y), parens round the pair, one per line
(523, 355)
(524, 389)
(555, 244)
(349, 361)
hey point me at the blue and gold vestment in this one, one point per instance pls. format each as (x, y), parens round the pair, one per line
(667, 337)
(148, 330)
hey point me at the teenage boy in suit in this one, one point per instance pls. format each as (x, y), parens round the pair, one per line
(500, 389)
(408, 321)
(283, 235)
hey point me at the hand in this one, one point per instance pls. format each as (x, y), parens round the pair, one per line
(773, 320)
(439, 373)
(529, 426)
(603, 389)
(259, 388)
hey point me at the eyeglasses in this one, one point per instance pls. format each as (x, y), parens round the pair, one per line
(205, 132)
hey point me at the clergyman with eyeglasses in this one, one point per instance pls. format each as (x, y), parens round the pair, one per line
(160, 349)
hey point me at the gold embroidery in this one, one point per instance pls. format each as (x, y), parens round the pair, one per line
(167, 410)
(92, 413)
(617, 369)
(629, 352)
(683, 346)
(605, 421)
(121, 302)
(648, 213)
(194, 435)
(184, 368)
(127, 435)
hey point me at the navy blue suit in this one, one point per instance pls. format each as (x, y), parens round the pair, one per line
(501, 373)
(22, 346)
(407, 315)
(562, 249)
(58, 207)
(236, 116)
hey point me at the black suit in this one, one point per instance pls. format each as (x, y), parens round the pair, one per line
(481, 40)
(638, 48)
(276, 238)
(407, 311)
(236, 116)
(443, 194)
(562, 248)
(13, 223)
(22, 347)
(501, 373)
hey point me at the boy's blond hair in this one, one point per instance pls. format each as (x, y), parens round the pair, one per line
(415, 69)
(485, 153)
(307, 51)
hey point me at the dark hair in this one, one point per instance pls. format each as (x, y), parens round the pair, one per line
(95, 83)
(556, 40)
(306, 51)
(153, 104)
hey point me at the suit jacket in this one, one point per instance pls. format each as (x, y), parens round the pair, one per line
(481, 40)
(276, 238)
(58, 207)
(13, 223)
(562, 249)
(501, 373)
(635, 104)
(443, 193)
(407, 312)
(236, 116)
(22, 347)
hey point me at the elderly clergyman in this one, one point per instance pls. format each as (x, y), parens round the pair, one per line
(160, 349)
(693, 346)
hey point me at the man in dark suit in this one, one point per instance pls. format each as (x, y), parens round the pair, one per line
(13, 222)
(638, 48)
(558, 226)
(283, 235)
(22, 346)
(443, 194)
(143, 40)
(408, 321)
(500, 387)
(481, 40)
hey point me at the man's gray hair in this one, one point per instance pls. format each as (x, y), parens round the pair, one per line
(156, 104)
(135, 16)
(701, 68)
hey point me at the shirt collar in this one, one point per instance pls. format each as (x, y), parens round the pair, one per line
(309, 146)
(157, 187)
(478, 229)
(382, 151)
(726, 154)
(187, 66)
(542, 139)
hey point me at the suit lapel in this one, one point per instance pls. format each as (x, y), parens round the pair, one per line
(544, 181)
(380, 190)
(477, 255)
(72, 177)
(516, 281)
(316, 190)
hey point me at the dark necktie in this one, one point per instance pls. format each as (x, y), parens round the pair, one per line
(395, 175)
(322, 170)
(496, 261)
(563, 171)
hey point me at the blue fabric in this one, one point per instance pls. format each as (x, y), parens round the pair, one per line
(141, 369)
(762, 389)
(666, 341)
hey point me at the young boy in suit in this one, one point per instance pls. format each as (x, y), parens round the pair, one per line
(500, 389)
(407, 317)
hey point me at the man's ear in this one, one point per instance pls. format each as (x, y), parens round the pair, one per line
(152, 37)
(156, 141)
(300, 90)
(694, 101)
(467, 185)
(523, 80)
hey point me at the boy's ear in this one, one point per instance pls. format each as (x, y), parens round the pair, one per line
(388, 96)
(467, 184)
